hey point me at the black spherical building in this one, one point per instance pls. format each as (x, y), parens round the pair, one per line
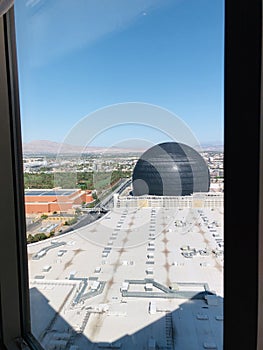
(170, 169)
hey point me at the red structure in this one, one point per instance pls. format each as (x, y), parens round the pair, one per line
(42, 201)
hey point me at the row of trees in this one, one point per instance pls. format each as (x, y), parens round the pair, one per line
(39, 237)
(88, 180)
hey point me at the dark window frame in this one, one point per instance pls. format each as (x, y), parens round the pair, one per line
(15, 315)
(243, 322)
(242, 203)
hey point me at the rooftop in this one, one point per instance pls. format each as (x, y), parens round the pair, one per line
(170, 269)
(60, 192)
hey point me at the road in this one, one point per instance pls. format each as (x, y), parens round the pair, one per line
(106, 204)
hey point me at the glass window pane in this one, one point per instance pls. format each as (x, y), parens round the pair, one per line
(122, 118)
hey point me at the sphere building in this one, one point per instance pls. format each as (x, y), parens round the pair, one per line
(170, 169)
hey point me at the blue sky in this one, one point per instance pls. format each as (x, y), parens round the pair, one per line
(77, 57)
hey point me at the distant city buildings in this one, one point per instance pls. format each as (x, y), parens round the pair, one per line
(119, 162)
(47, 201)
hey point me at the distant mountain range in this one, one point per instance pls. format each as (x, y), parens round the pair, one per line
(51, 147)
(215, 148)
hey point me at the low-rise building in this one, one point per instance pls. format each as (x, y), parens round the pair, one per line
(45, 201)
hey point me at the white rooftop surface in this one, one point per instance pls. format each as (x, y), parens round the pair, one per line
(179, 323)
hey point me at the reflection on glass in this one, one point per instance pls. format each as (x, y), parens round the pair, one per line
(123, 198)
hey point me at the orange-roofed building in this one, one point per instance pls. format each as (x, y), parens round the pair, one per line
(40, 201)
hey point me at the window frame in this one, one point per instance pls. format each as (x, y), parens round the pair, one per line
(14, 286)
(243, 306)
(243, 37)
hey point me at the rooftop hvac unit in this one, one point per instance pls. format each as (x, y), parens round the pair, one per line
(46, 268)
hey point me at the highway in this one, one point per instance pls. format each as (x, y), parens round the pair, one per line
(107, 202)
(93, 214)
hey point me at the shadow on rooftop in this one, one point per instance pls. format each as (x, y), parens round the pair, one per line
(195, 324)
